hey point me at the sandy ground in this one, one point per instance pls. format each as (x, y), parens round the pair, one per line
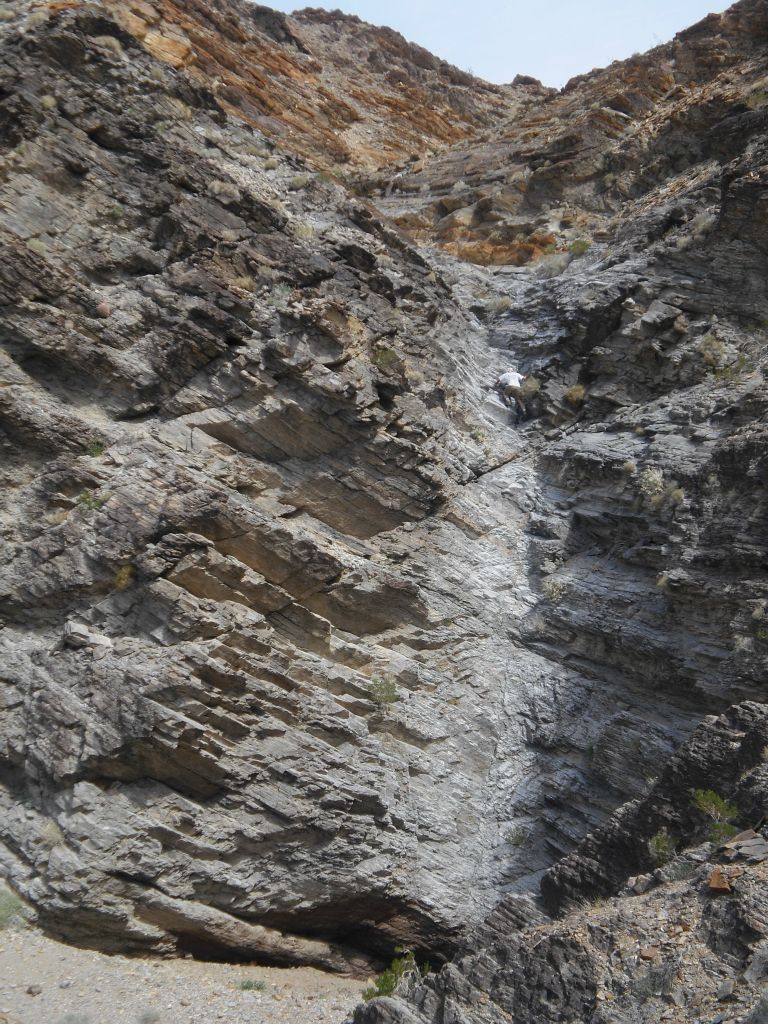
(82, 987)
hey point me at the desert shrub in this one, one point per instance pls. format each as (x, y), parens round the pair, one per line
(38, 247)
(719, 811)
(109, 43)
(226, 191)
(629, 467)
(677, 495)
(304, 231)
(11, 908)
(298, 182)
(244, 282)
(531, 386)
(401, 977)
(90, 500)
(662, 848)
(721, 832)
(712, 350)
(517, 836)
(279, 295)
(122, 577)
(385, 359)
(95, 450)
(579, 246)
(252, 985)
(48, 102)
(271, 164)
(501, 305)
(552, 265)
(575, 395)
(757, 99)
(553, 589)
(713, 805)
(383, 691)
(651, 482)
(733, 370)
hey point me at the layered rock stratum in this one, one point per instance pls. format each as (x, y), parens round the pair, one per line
(308, 651)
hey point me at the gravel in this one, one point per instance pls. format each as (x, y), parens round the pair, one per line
(44, 982)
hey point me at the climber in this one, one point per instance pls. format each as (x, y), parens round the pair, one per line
(510, 387)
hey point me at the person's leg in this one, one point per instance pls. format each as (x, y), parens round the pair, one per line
(516, 401)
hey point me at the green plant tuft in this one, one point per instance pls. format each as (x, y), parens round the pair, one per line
(90, 500)
(383, 691)
(11, 908)
(757, 99)
(579, 246)
(720, 813)
(662, 848)
(252, 985)
(721, 832)
(402, 974)
(385, 359)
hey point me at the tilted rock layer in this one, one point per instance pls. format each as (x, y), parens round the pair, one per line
(307, 651)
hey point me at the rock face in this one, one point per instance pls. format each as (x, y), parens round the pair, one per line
(307, 652)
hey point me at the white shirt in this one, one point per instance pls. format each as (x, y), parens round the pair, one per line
(510, 377)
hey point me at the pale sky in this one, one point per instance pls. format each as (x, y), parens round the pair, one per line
(549, 39)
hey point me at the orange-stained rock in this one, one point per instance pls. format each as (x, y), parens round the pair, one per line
(171, 49)
(718, 881)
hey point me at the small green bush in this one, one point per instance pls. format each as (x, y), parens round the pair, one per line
(279, 295)
(712, 350)
(720, 813)
(501, 305)
(96, 450)
(579, 246)
(11, 908)
(662, 848)
(298, 182)
(757, 99)
(403, 972)
(251, 985)
(90, 500)
(733, 370)
(383, 691)
(721, 832)
(385, 359)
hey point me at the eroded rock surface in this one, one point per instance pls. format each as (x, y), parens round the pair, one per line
(307, 651)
